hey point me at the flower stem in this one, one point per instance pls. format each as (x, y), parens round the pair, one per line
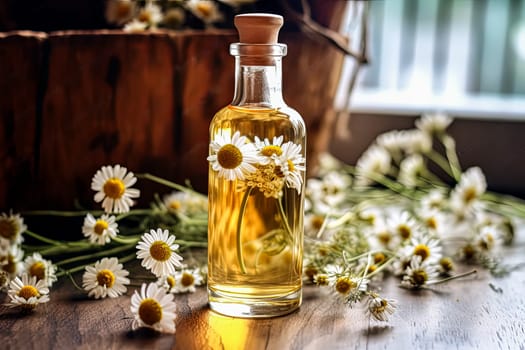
(42, 238)
(239, 226)
(61, 213)
(452, 277)
(166, 183)
(285, 220)
(96, 255)
(439, 160)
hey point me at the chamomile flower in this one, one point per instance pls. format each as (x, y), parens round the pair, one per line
(101, 230)
(419, 273)
(392, 141)
(375, 161)
(206, 11)
(268, 149)
(186, 203)
(488, 238)
(402, 224)
(292, 165)
(410, 169)
(187, 280)
(349, 288)
(157, 251)
(113, 186)
(27, 292)
(380, 308)
(150, 14)
(429, 249)
(469, 189)
(233, 157)
(168, 282)
(435, 199)
(330, 189)
(11, 228)
(416, 141)
(36, 266)
(445, 266)
(119, 11)
(105, 278)
(328, 163)
(433, 123)
(135, 26)
(153, 308)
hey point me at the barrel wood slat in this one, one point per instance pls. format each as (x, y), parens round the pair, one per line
(21, 55)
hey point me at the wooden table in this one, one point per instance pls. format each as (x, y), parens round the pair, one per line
(479, 312)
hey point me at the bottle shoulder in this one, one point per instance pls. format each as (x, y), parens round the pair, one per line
(231, 112)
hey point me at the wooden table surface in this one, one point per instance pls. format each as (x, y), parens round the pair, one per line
(479, 312)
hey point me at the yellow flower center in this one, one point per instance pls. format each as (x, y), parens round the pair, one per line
(100, 226)
(268, 151)
(171, 281)
(204, 8)
(175, 205)
(8, 228)
(379, 258)
(372, 268)
(38, 270)
(446, 264)
(160, 251)
(469, 195)
(317, 222)
(291, 166)
(150, 311)
(187, 279)
(27, 292)
(321, 280)
(114, 188)
(422, 250)
(229, 156)
(432, 223)
(384, 237)
(404, 231)
(469, 252)
(144, 16)
(344, 285)
(105, 278)
(488, 242)
(419, 277)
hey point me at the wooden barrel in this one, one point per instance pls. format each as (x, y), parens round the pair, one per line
(73, 101)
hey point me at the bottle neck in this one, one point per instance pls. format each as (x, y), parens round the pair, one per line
(258, 86)
(258, 75)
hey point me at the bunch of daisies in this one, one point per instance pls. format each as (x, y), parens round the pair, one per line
(391, 215)
(27, 277)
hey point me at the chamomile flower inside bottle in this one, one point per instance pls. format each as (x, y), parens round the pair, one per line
(256, 183)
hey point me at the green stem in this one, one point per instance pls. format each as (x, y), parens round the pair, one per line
(166, 183)
(452, 277)
(134, 212)
(442, 162)
(61, 213)
(126, 239)
(450, 150)
(96, 255)
(239, 226)
(285, 220)
(43, 239)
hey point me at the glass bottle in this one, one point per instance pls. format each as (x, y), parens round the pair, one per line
(256, 183)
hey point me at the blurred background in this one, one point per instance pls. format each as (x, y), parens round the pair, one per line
(78, 92)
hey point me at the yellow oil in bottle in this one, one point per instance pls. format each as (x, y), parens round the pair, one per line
(255, 240)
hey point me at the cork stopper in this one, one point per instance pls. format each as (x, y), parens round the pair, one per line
(258, 28)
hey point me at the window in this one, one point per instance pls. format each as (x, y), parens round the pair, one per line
(463, 57)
